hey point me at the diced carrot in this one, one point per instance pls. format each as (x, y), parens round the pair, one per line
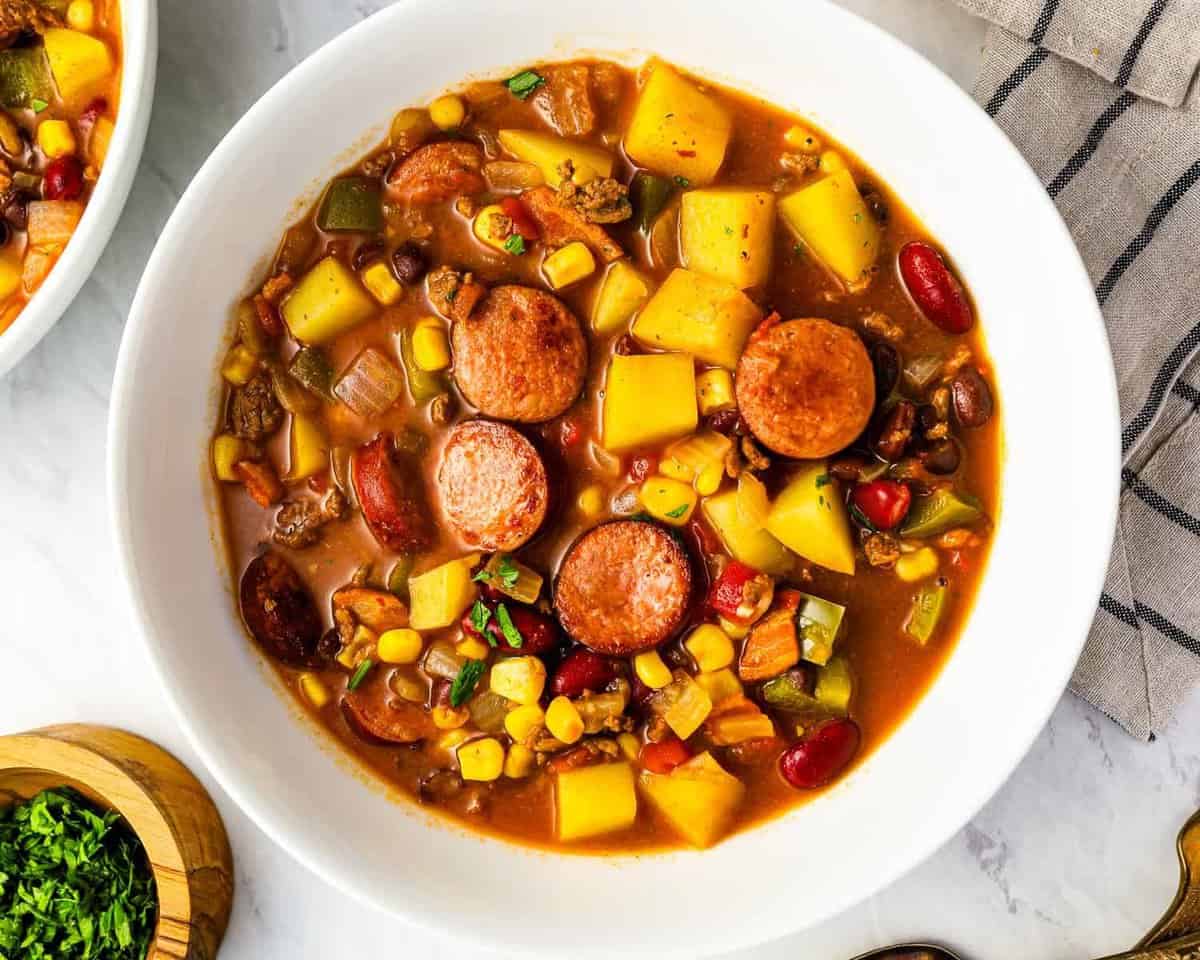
(260, 481)
(666, 756)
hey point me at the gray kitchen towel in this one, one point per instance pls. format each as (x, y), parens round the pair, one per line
(1099, 97)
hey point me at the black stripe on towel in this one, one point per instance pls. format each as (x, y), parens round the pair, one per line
(1156, 501)
(1135, 48)
(1091, 142)
(1142, 613)
(1158, 389)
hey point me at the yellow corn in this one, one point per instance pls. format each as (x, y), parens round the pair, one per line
(651, 670)
(473, 648)
(668, 500)
(519, 762)
(735, 631)
(314, 689)
(832, 162)
(448, 112)
(431, 350)
(918, 565)
(226, 451)
(802, 139)
(591, 501)
(523, 722)
(568, 265)
(485, 232)
(383, 285)
(629, 745)
(708, 480)
(563, 720)
(55, 138)
(720, 685)
(520, 679)
(481, 759)
(81, 15)
(402, 645)
(361, 646)
(239, 366)
(714, 390)
(711, 647)
(450, 718)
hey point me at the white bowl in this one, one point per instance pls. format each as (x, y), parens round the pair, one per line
(946, 159)
(139, 27)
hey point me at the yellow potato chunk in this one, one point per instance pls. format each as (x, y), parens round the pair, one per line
(595, 800)
(698, 314)
(835, 224)
(809, 517)
(309, 448)
(728, 233)
(677, 129)
(438, 597)
(648, 398)
(698, 797)
(747, 542)
(621, 295)
(80, 63)
(548, 153)
(328, 301)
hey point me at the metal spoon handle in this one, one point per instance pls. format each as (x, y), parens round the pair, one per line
(1183, 916)
(1181, 948)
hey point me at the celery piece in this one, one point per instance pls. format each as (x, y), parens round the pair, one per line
(927, 608)
(351, 205)
(835, 684)
(487, 711)
(312, 369)
(818, 622)
(24, 77)
(422, 384)
(939, 512)
(649, 194)
(397, 581)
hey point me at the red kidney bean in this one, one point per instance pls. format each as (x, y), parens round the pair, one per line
(724, 421)
(823, 753)
(884, 502)
(539, 634)
(934, 289)
(582, 670)
(63, 179)
(971, 398)
(409, 263)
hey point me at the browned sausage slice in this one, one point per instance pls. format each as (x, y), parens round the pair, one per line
(374, 714)
(520, 356)
(279, 610)
(561, 224)
(805, 387)
(437, 172)
(623, 586)
(492, 484)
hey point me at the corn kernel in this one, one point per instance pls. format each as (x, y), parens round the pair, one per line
(519, 762)
(383, 285)
(481, 759)
(523, 722)
(81, 15)
(448, 112)
(226, 451)
(651, 670)
(483, 227)
(708, 480)
(239, 366)
(630, 746)
(918, 565)
(520, 679)
(450, 718)
(802, 139)
(591, 501)
(563, 720)
(55, 138)
(671, 501)
(451, 740)
(314, 689)
(568, 265)
(710, 646)
(720, 685)
(714, 390)
(735, 631)
(473, 648)
(361, 646)
(431, 350)
(832, 162)
(402, 645)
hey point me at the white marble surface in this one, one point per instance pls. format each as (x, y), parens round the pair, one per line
(1072, 859)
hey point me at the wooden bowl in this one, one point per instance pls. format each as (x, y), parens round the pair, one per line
(164, 804)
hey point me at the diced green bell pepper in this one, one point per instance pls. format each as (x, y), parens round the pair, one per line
(786, 692)
(351, 205)
(649, 194)
(422, 384)
(835, 685)
(939, 512)
(927, 608)
(311, 368)
(24, 77)
(817, 624)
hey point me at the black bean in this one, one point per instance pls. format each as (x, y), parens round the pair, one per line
(927, 417)
(724, 421)
(408, 261)
(971, 397)
(886, 362)
(367, 252)
(941, 456)
(896, 431)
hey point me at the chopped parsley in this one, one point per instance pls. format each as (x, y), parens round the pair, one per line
(464, 684)
(515, 244)
(511, 634)
(480, 615)
(360, 674)
(729, 231)
(862, 518)
(823, 480)
(509, 572)
(678, 512)
(38, 105)
(483, 576)
(521, 85)
(682, 181)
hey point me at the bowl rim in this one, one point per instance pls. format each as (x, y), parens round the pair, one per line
(340, 877)
(139, 44)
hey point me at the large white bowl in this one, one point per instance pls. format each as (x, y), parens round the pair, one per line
(139, 27)
(926, 139)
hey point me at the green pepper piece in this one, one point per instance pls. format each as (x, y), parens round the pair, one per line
(312, 369)
(397, 581)
(786, 692)
(649, 194)
(926, 611)
(835, 684)
(817, 624)
(422, 384)
(939, 512)
(24, 77)
(351, 205)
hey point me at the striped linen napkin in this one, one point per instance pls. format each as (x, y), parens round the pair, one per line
(1099, 97)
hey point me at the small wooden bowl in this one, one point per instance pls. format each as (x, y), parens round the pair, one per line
(162, 801)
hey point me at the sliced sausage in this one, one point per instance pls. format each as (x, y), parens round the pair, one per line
(520, 356)
(492, 485)
(377, 716)
(805, 388)
(437, 172)
(279, 610)
(377, 609)
(388, 499)
(623, 586)
(561, 224)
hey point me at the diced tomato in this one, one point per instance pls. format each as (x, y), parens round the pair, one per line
(884, 503)
(664, 757)
(741, 593)
(522, 222)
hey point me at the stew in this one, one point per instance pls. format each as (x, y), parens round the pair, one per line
(608, 459)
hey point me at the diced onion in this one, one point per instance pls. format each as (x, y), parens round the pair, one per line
(371, 384)
(512, 175)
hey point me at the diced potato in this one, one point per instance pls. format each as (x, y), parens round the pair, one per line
(520, 679)
(714, 391)
(52, 222)
(834, 223)
(668, 501)
(226, 451)
(809, 517)
(81, 63)
(549, 152)
(569, 265)
(747, 543)
(595, 800)
(10, 275)
(677, 129)
(438, 597)
(753, 503)
(481, 759)
(720, 685)
(621, 295)
(698, 797)
(309, 448)
(728, 233)
(698, 314)
(56, 138)
(328, 301)
(648, 398)
(239, 365)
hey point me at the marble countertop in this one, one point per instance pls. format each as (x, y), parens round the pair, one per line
(1073, 858)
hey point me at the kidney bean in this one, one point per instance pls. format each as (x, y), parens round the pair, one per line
(884, 502)
(63, 179)
(366, 252)
(582, 670)
(279, 610)
(934, 289)
(850, 468)
(409, 263)
(724, 421)
(971, 398)
(539, 634)
(941, 456)
(823, 753)
(886, 363)
(896, 431)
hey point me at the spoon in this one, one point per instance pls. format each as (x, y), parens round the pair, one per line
(1186, 947)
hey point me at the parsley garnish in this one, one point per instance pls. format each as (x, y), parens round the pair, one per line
(508, 628)
(682, 181)
(509, 573)
(38, 105)
(524, 83)
(823, 480)
(678, 512)
(360, 674)
(480, 615)
(483, 576)
(464, 683)
(515, 244)
(797, 249)
(862, 518)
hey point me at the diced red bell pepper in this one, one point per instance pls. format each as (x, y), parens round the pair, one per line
(666, 756)
(741, 594)
(884, 503)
